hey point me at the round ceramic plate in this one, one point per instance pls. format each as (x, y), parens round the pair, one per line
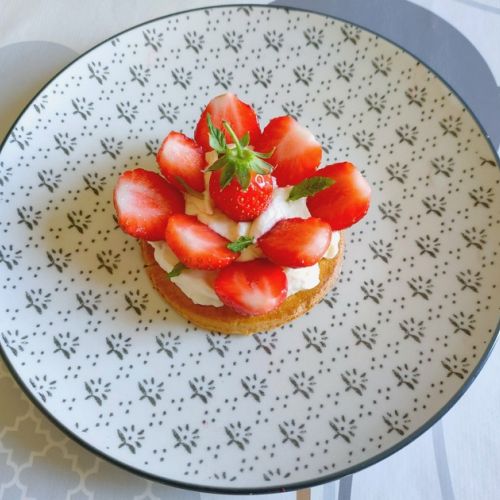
(381, 358)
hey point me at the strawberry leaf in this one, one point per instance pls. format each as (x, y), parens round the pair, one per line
(218, 164)
(227, 175)
(310, 186)
(245, 140)
(232, 133)
(243, 175)
(264, 155)
(176, 270)
(216, 137)
(260, 166)
(236, 161)
(240, 244)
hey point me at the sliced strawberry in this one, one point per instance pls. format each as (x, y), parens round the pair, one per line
(253, 287)
(296, 242)
(181, 161)
(143, 202)
(242, 204)
(297, 152)
(346, 201)
(228, 107)
(196, 245)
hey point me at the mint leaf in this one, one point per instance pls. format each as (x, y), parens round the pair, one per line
(310, 186)
(240, 244)
(176, 270)
(187, 187)
(216, 137)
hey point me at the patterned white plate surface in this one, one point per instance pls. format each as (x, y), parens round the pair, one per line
(404, 330)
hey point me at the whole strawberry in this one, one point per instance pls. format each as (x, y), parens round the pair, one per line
(241, 185)
(239, 204)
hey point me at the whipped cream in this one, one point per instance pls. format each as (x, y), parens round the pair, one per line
(279, 209)
(195, 283)
(198, 284)
(333, 248)
(301, 278)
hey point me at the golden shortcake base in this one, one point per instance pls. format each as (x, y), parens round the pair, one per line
(226, 320)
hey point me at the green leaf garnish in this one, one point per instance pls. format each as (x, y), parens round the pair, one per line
(216, 137)
(176, 270)
(187, 187)
(240, 244)
(310, 186)
(238, 161)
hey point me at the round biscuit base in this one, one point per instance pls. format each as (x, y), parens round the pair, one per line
(226, 320)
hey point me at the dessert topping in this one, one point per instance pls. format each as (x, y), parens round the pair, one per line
(296, 242)
(143, 202)
(253, 287)
(196, 245)
(182, 161)
(346, 201)
(297, 153)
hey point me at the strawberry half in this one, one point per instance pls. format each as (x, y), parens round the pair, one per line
(242, 204)
(297, 153)
(196, 245)
(181, 161)
(296, 242)
(143, 202)
(253, 287)
(227, 107)
(346, 201)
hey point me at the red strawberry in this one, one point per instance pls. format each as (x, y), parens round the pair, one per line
(196, 245)
(297, 152)
(181, 161)
(253, 287)
(242, 204)
(228, 107)
(143, 202)
(346, 201)
(296, 242)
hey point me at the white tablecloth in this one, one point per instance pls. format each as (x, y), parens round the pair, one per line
(459, 458)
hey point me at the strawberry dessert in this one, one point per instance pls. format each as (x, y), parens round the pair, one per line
(241, 230)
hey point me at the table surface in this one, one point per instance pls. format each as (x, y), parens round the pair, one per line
(458, 458)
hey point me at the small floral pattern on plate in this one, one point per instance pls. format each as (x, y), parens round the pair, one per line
(407, 324)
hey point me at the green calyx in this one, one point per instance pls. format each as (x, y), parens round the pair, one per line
(239, 161)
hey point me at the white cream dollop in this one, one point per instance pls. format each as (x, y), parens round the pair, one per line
(333, 248)
(216, 220)
(301, 278)
(196, 284)
(279, 208)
